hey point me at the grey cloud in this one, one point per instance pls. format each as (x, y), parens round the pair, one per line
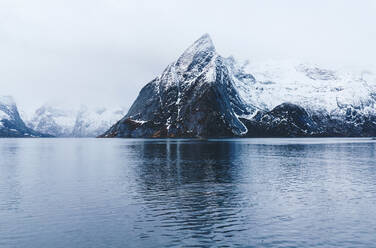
(103, 52)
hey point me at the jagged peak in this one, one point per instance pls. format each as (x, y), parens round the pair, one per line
(203, 45)
(204, 42)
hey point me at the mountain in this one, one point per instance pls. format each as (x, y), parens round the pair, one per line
(11, 124)
(93, 122)
(203, 94)
(53, 120)
(66, 122)
(194, 96)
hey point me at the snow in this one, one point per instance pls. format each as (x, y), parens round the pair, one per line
(4, 116)
(308, 85)
(6, 104)
(176, 73)
(69, 122)
(140, 122)
(7, 108)
(54, 120)
(93, 122)
(204, 45)
(211, 72)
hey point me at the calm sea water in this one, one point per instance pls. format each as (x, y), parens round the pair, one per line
(187, 193)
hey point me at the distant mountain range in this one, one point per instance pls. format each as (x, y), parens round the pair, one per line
(82, 122)
(55, 121)
(11, 124)
(203, 94)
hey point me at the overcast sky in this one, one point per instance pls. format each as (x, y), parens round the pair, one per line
(101, 52)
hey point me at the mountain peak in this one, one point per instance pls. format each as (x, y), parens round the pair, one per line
(201, 48)
(206, 39)
(7, 100)
(204, 43)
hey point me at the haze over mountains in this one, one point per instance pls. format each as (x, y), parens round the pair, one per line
(61, 121)
(55, 121)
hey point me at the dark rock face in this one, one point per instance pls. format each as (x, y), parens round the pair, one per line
(198, 96)
(352, 125)
(11, 124)
(290, 120)
(285, 120)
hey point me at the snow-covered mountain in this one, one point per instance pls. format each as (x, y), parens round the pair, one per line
(53, 120)
(11, 124)
(93, 122)
(194, 96)
(69, 122)
(310, 86)
(205, 94)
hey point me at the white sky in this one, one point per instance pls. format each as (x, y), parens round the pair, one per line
(101, 52)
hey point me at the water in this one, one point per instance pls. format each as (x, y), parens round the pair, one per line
(187, 193)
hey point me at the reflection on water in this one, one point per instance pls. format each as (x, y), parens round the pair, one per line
(187, 193)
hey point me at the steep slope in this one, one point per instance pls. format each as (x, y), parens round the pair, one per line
(194, 96)
(11, 124)
(61, 121)
(203, 94)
